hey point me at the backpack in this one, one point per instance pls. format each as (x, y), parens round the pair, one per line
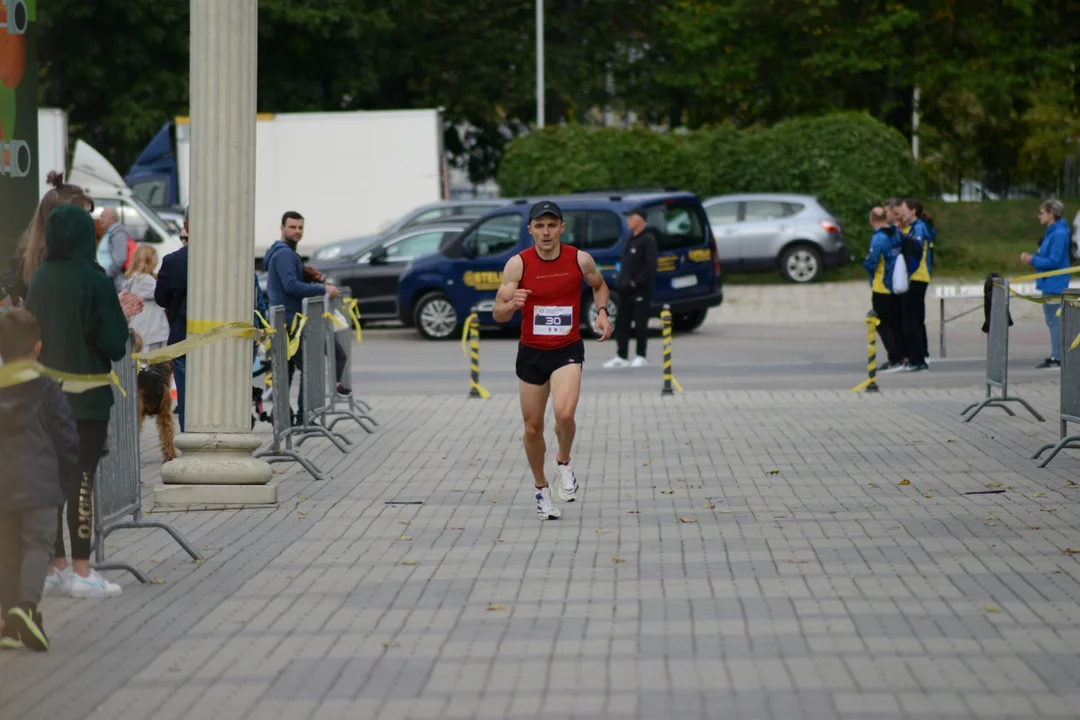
(912, 251)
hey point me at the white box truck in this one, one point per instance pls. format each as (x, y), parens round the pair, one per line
(349, 174)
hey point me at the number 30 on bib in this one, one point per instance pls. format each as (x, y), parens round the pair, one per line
(553, 320)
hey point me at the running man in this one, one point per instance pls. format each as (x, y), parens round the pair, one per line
(544, 282)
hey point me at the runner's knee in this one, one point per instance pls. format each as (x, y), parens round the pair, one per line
(534, 428)
(564, 415)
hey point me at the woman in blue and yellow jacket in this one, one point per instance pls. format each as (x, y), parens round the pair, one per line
(1053, 254)
(919, 227)
(879, 264)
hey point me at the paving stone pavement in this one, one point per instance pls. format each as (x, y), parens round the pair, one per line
(733, 555)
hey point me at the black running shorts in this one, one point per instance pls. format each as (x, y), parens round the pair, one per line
(536, 366)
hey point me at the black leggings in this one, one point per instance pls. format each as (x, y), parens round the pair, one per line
(80, 509)
(913, 318)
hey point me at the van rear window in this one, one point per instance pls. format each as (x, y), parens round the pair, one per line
(677, 225)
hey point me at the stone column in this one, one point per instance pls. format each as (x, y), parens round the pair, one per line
(217, 466)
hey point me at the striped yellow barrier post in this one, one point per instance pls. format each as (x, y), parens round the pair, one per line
(870, 384)
(669, 377)
(471, 335)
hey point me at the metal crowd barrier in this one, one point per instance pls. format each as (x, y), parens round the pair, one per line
(1070, 378)
(344, 407)
(281, 447)
(997, 358)
(313, 421)
(116, 495)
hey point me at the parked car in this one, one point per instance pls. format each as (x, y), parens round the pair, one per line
(425, 213)
(437, 293)
(372, 273)
(794, 233)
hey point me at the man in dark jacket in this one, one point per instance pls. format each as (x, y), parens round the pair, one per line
(83, 330)
(286, 286)
(171, 294)
(637, 271)
(40, 448)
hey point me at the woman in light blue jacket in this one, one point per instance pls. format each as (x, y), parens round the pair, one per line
(1053, 254)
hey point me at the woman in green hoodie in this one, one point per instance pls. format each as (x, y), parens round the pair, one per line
(83, 330)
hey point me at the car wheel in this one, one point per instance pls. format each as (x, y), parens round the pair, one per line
(589, 313)
(688, 322)
(801, 264)
(435, 317)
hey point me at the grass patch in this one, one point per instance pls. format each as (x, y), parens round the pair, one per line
(973, 240)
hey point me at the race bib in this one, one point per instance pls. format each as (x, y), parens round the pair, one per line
(553, 319)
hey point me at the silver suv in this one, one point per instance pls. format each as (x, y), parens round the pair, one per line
(794, 233)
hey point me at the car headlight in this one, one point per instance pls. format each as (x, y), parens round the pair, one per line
(326, 253)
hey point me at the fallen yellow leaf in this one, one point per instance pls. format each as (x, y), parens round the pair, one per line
(158, 581)
(494, 608)
(687, 520)
(1072, 551)
(711, 506)
(926, 495)
(1038, 494)
(991, 608)
(774, 472)
(406, 538)
(389, 644)
(1033, 527)
(601, 532)
(905, 482)
(408, 562)
(1070, 483)
(991, 517)
(616, 559)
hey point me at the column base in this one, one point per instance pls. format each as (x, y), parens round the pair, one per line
(215, 495)
(216, 459)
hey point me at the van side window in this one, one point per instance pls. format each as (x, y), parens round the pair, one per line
(592, 229)
(679, 225)
(494, 236)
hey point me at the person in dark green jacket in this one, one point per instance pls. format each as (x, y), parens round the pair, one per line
(83, 330)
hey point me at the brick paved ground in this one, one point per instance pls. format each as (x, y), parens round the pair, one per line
(733, 555)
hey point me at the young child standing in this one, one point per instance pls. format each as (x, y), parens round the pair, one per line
(141, 280)
(40, 447)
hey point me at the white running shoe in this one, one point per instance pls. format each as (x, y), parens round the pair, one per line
(567, 482)
(617, 362)
(58, 582)
(639, 361)
(545, 508)
(92, 586)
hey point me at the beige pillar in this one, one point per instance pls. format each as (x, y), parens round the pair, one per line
(217, 466)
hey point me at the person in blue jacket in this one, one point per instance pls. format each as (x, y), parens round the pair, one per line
(879, 264)
(1053, 254)
(286, 286)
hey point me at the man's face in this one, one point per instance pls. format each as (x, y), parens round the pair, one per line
(636, 223)
(292, 231)
(108, 217)
(546, 231)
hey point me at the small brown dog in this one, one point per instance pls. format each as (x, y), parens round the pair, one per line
(155, 401)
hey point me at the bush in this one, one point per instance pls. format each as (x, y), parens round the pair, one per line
(850, 161)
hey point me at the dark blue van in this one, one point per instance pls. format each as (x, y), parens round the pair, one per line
(437, 292)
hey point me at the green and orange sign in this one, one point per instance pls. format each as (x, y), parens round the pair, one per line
(19, 182)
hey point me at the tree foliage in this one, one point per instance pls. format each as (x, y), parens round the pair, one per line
(849, 160)
(120, 67)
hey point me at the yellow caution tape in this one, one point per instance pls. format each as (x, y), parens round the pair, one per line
(267, 330)
(480, 389)
(18, 373)
(862, 385)
(212, 332)
(333, 317)
(465, 332)
(298, 323)
(1048, 273)
(353, 308)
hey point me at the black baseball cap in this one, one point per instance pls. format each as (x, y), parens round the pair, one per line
(544, 207)
(641, 212)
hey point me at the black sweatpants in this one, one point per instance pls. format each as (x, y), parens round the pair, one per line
(26, 539)
(80, 509)
(887, 307)
(633, 308)
(913, 317)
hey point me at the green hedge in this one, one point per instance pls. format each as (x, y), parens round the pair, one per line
(848, 160)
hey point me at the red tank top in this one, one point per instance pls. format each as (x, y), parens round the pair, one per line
(549, 320)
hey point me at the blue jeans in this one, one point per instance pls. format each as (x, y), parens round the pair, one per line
(1053, 321)
(179, 369)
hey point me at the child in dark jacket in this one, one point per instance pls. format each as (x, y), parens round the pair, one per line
(40, 448)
